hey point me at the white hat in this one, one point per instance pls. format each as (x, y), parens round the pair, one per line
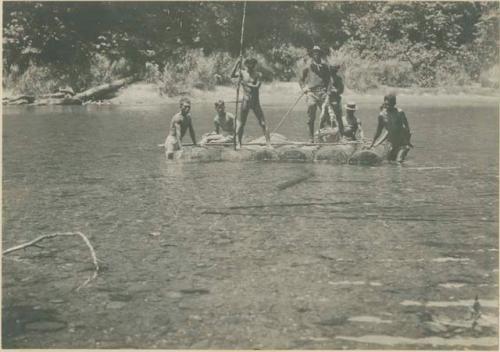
(351, 106)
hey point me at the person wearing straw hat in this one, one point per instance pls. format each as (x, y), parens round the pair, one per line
(314, 82)
(352, 125)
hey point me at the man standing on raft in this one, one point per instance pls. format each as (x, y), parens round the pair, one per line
(250, 80)
(394, 121)
(314, 82)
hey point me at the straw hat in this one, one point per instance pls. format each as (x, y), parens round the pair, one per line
(351, 106)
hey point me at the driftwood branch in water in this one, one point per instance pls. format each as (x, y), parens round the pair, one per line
(52, 235)
(295, 181)
(103, 90)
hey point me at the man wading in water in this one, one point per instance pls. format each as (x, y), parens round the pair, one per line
(250, 80)
(314, 82)
(178, 126)
(394, 121)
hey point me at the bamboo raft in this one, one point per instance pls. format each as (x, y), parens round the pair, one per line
(283, 150)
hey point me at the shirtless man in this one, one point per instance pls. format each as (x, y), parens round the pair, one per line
(180, 123)
(250, 81)
(223, 120)
(314, 82)
(394, 121)
(223, 126)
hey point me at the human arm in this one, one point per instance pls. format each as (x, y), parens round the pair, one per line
(339, 84)
(360, 130)
(236, 67)
(256, 82)
(406, 125)
(216, 125)
(191, 132)
(302, 80)
(178, 132)
(380, 127)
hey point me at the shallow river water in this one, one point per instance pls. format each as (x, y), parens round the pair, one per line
(253, 254)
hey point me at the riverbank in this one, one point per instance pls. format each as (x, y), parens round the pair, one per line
(142, 93)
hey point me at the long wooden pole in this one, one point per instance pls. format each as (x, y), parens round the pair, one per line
(239, 79)
(287, 113)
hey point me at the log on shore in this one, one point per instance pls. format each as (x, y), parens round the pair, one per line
(65, 96)
(104, 90)
(19, 100)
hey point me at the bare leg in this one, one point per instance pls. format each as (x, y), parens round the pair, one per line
(323, 115)
(393, 153)
(337, 109)
(402, 153)
(262, 122)
(241, 122)
(311, 115)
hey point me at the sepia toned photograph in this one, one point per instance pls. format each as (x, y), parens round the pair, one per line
(293, 175)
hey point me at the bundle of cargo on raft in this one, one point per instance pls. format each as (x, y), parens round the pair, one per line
(284, 150)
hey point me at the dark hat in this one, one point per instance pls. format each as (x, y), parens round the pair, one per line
(219, 102)
(351, 106)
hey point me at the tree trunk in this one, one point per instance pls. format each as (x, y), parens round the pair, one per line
(100, 92)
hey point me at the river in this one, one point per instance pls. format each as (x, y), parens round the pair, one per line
(253, 254)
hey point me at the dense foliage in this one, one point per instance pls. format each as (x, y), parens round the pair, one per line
(400, 44)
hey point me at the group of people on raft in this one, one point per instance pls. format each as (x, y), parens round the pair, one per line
(323, 88)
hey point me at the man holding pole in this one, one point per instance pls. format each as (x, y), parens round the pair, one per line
(314, 82)
(250, 81)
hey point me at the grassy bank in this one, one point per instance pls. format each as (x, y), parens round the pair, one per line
(144, 93)
(197, 74)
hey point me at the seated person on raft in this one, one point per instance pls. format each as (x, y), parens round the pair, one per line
(352, 125)
(394, 121)
(329, 134)
(180, 123)
(223, 126)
